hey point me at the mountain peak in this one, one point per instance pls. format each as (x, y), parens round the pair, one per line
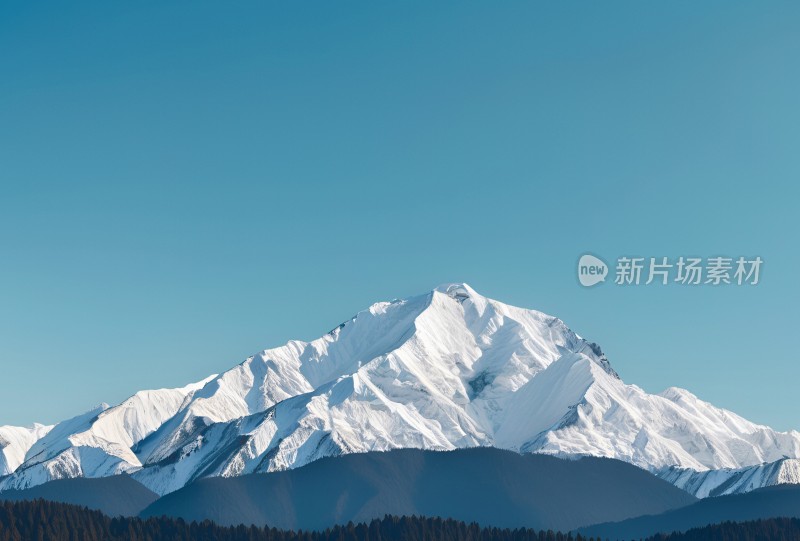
(456, 290)
(444, 370)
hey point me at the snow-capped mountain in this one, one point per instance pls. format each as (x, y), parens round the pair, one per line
(448, 369)
(734, 481)
(15, 441)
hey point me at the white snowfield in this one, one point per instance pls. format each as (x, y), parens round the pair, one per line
(15, 442)
(734, 481)
(445, 370)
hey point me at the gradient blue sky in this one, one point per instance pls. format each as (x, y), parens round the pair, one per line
(186, 183)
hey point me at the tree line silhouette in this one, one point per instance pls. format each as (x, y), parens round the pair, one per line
(773, 529)
(42, 520)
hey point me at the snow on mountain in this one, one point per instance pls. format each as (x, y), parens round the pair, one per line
(672, 428)
(15, 442)
(97, 443)
(448, 369)
(702, 484)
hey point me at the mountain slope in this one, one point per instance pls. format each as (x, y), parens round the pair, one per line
(734, 481)
(98, 443)
(446, 370)
(15, 441)
(489, 486)
(771, 502)
(115, 496)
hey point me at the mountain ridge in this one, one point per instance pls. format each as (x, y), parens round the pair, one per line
(444, 370)
(763, 503)
(489, 486)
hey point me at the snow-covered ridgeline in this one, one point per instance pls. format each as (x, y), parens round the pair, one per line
(444, 370)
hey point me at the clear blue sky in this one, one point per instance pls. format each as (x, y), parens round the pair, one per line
(186, 183)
